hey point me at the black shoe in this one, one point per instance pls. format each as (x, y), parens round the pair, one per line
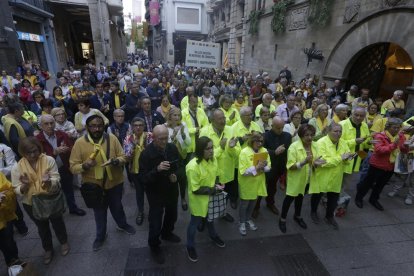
(359, 203)
(97, 244)
(23, 232)
(301, 222)
(377, 205)
(157, 255)
(140, 218)
(227, 217)
(219, 242)
(78, 212)
(282, 226)
(127, 229)
(332, 222)
(171, 238)
(184, 205)
(201, 226)
(192, 254)
(315, 218)
(233, 204)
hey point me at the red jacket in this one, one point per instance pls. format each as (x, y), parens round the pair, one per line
(382, 150)
(61, 137)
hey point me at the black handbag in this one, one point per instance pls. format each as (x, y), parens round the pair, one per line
(45, 206)
(93, 194)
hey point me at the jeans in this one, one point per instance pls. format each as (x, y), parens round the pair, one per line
(7, 244)
(66, 181)
(331, 204)
(182, 181)
(377, 176)
(44, 230)
(162, 218)
(192, 229)
(246, 209)
(114, 202)
(288, 201)
(139, 192)
(363, 169)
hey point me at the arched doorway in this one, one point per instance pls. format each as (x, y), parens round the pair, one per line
(382, 68)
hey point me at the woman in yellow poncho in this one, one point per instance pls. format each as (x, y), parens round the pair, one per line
(252, 181)
(202, 172)
(301, 158)
(335, 152)
(134, 144)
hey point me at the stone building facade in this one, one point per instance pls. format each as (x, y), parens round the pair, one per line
(88, 30)
(180, 20)
(366, 42)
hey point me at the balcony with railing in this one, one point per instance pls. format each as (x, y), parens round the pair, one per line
(35, 6)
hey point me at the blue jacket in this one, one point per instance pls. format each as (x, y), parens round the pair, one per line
(95, 103)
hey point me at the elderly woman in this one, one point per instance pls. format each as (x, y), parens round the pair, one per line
(165, 106)
(320, 121)
(178, 135)
(232, 115)
(37, 174)
(381, 164)
(133, 145)
(293, 127)
(341, 113)
(202, 172)
(264, 121)
(251, 178)
(301, 157)
(85, 111)
(372, 115)
(62, 123)
(335, 153)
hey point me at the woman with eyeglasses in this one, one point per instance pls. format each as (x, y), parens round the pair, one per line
(301, 157)
(62, 123)
(251, 178)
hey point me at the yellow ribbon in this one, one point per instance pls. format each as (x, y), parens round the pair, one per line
(117, 100)
(137, 152)
(394, 153)
(100, 159)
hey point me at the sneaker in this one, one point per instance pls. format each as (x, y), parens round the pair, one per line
(392, 193)
(315, 218)
(242, 229)
(408, 201)
(127, 229)
(219, 242)
(171, 238)
(192, 254)
(97, 244)
(157, 254)
(332, 222)
(251, 225)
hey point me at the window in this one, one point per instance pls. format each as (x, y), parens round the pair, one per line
(275, 52)
(252, 55)
(187, 16)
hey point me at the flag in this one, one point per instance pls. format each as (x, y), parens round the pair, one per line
(226, 61)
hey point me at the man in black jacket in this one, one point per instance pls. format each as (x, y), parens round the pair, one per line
(158, 164)
(151, 117)
(277, 142)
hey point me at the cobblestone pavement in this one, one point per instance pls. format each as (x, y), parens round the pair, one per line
(369, 242)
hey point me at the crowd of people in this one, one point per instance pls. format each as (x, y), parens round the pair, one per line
(204, 139)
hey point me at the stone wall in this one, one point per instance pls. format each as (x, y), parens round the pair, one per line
(354, 24)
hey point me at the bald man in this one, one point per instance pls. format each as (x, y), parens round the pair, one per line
(158, 164)
(277, 142)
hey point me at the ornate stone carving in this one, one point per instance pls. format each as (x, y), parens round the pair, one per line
(298, 18)
(392, 3)
(351, 10)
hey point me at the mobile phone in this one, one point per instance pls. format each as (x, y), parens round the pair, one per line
(173, 162)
